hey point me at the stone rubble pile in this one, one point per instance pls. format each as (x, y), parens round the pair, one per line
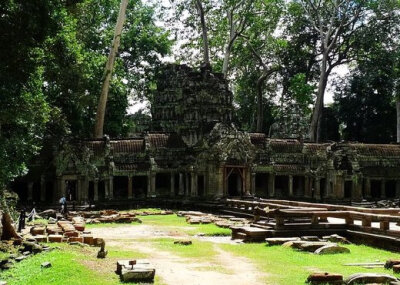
(222, 221)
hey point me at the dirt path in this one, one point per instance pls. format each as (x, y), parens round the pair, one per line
(222, 269)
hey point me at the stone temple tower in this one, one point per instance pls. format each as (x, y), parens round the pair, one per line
(190, 102)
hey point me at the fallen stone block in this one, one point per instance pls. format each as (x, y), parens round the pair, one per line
(108, 212)
(389, 263)
(73, 233)
(312, 246)
(183, 242)
(79, 227)
(336, 238)
(396, 268)
(88, 239)
(78, 220)
(20, 258)
(41, 238)
(38, 230)
(75, 239)
(31, 247)
(45, 265)
(55, 238)
(310, 238)
(279, 241)
(135, 271)
(54, 230)
(324, 278)
(332, 249)
(362, 278)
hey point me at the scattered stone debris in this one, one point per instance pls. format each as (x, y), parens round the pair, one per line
(324, 278)
(280, 241)
(367, 278)
(45, 265)
(336, 238)
(222, 221)
(183, 242)
(3, 282)
(135, 270)
(331, 249)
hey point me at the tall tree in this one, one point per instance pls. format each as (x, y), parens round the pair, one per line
(336, 22)
(101, 108)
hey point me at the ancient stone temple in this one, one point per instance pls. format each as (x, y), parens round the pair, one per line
(196, 152)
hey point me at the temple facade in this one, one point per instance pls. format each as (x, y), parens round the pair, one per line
(195, 151)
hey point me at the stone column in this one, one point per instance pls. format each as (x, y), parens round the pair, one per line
(383, 189)
(181, 185)
(271, 184)
(397, 188)
(85, 188)
(317, 189)
(152, 192)
(357, 189)
(339, 187)
(79, 189)
(193, 184)
(307, 188)
(367, 188)
(172, 186)
(106, 189)
(290, 181)
(111, 188)
(130, 187)
(253, 184)
(96, 190)
(42, 189)
(30, 191)
(187, 189)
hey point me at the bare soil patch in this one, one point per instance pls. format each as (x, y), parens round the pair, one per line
(173, 269)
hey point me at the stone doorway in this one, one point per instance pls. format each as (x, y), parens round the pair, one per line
(234, 177)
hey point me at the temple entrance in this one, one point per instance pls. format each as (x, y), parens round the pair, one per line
(234, 177)
(71, 189)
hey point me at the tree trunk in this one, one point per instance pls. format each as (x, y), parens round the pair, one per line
(101, 108)
(398, 118)
(316, 116)
(204, 32)
(227, 56)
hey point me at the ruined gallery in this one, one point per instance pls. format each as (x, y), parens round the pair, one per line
(194, 150)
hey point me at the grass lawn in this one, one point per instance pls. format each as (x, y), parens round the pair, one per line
(287, 266)
(179, 223)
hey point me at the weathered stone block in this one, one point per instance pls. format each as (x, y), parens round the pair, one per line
(135, 270)
(332, 249)
(279, 241)
(362, 278)
(183, 242)
(71, 234)
(325, 278)
(76, 239)
(55, 238)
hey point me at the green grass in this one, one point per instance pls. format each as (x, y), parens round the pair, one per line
(180, 224)
(117, 252)
(198, 250)
(287, 266)
(70, 265)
